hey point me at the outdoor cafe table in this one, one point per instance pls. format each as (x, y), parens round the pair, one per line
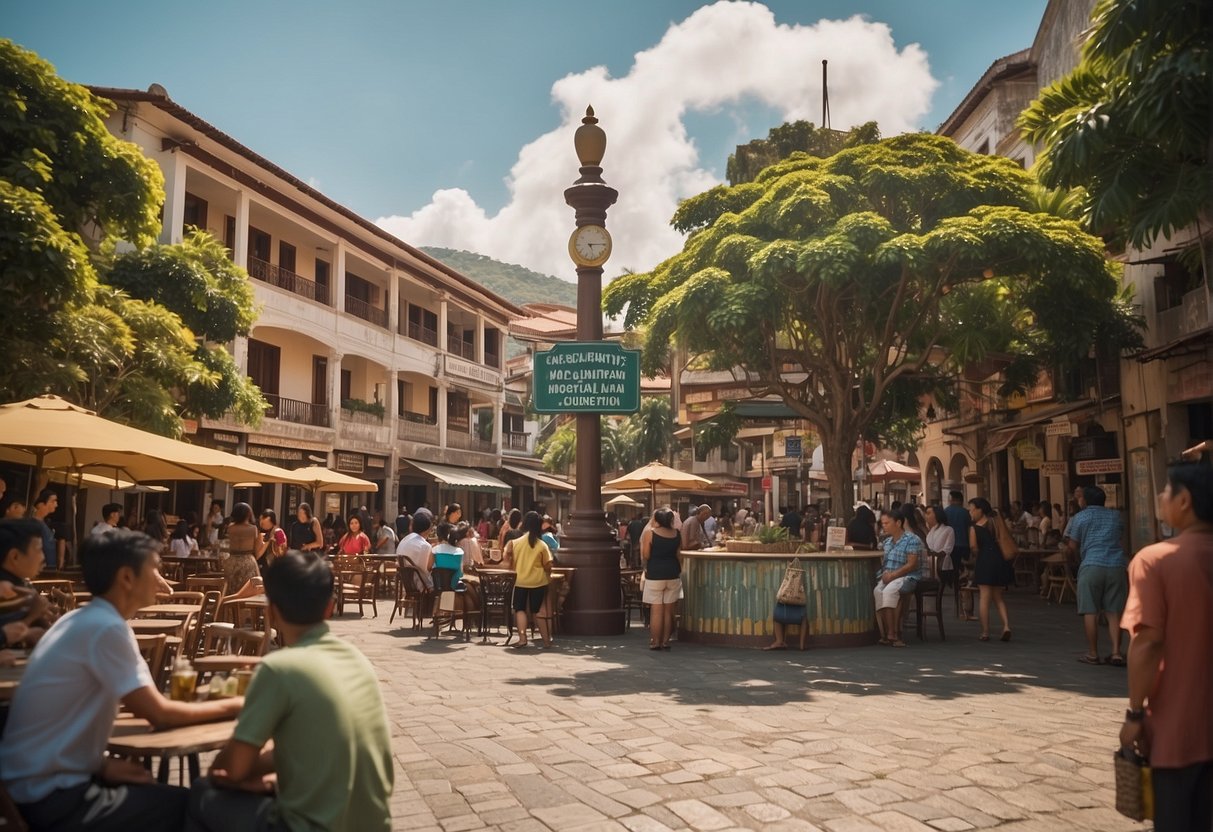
(155, 626)
(1029, 560)
(134, 738)
(170, 609)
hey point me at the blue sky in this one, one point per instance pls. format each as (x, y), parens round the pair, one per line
(381, 104)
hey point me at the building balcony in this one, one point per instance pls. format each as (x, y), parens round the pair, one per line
(417, 332)
(362, 309)
(464, 349)
(519, 443)
(467, 442)
(417, 427)
(283, 279)
(301, 413)
(492, 359)
(360, 417)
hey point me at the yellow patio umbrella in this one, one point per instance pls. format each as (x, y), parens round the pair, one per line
(654, 476)
(48, 432)
(318, 478)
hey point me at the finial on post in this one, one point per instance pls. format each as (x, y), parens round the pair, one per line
(590, 140)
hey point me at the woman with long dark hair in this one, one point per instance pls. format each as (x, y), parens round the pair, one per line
(511, 528)
(181, 544)
(661, 554)
(305, 534)
(271, 543)
(991, 571)
(941, 540)
(533, 566)
(155, 527)
(241, 564)
(354, 541)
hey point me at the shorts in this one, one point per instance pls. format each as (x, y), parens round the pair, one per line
(529, 598)
(1102, 589)
(662, 592)
(886, 595)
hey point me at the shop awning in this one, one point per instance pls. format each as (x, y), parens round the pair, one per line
(1180, 346)
(554, 483)
(468, 478)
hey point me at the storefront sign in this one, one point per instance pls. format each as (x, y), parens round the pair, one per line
(766, 483)
(1053, 469)
(189, 426)
(791, 446)
(220, 440)
(836, 538)
(1090, 467)
(1111, 492)
(473, 372)
(733, 488)
(349, 463)
(1065, 428)
(1029, 454)
(376, 464)
(276, 455)
(587, 377)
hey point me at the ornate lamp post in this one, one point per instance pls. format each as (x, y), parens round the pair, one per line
(590, 546)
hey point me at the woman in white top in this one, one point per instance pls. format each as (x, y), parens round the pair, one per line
(180, 544)
(941, 540)
(214, 522)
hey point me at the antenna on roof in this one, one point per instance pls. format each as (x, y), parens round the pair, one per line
(825, 97)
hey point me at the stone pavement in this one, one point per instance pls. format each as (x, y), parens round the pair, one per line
(604, 734)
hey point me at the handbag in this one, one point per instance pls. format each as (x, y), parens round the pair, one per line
(1134, 786)
(789, 613)
(1006, 543)
(791, 590)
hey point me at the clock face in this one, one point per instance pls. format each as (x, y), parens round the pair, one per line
(590, 245)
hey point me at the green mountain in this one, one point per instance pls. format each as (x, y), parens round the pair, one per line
(517, 284)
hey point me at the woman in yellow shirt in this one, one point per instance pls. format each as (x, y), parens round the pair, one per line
(533, 565)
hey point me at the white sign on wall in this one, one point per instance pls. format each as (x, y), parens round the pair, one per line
(1090, 467)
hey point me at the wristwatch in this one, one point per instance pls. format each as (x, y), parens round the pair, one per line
(1135, 714)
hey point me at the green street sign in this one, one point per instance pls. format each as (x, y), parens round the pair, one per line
(587, 377)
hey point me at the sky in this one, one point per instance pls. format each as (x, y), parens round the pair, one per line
(450, 122)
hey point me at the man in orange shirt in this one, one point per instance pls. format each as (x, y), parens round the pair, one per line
(1169, 615)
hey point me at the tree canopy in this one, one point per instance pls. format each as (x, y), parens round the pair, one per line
(852, 284)
(1130, 124)
(132, 334)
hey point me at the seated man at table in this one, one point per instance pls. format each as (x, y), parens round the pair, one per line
(21, 559)
(319, 701)
(416, 548)
(52, 757)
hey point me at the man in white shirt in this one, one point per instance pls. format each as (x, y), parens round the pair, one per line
(414, 546)
(111, 515)
(52, 756)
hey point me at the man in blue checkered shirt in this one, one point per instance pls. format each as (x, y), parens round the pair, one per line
(1096, 533)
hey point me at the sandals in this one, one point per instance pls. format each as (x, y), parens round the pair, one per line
(884, 641)
(1006, 635)
(776, 647)
(1090, 660)
(654, 646)
(898, 643)
(1116, 660)
(983, 637)
(519, 645)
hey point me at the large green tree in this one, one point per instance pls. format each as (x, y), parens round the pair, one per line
(135, 335)
(851, 285)
(1130, 125)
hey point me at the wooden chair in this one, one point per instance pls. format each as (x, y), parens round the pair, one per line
(497, 602)
(201, 583)
(411, 592)
(357, 583)
(1061, 580)
(444, 581)
(152, 650)
(65, 601)
(925, 589)
(632, 598)
(182, 597)
(207, 614)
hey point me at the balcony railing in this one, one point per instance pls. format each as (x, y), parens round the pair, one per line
(301, 413)
(362, 309)
(515, 441)
(414, 330)
(492, 359)
(415, 427)
(467, 442)
(361, 417)
(457, 346)
(283, 279)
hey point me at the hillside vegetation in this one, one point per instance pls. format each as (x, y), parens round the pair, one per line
(517, 284)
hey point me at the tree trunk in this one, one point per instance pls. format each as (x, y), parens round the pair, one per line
(836, 454)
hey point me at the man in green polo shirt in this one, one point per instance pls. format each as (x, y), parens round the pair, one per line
(319, 701)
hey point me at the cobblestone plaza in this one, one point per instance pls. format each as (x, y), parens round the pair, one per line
(604, 734)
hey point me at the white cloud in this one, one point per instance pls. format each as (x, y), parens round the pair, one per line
(714, 60)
